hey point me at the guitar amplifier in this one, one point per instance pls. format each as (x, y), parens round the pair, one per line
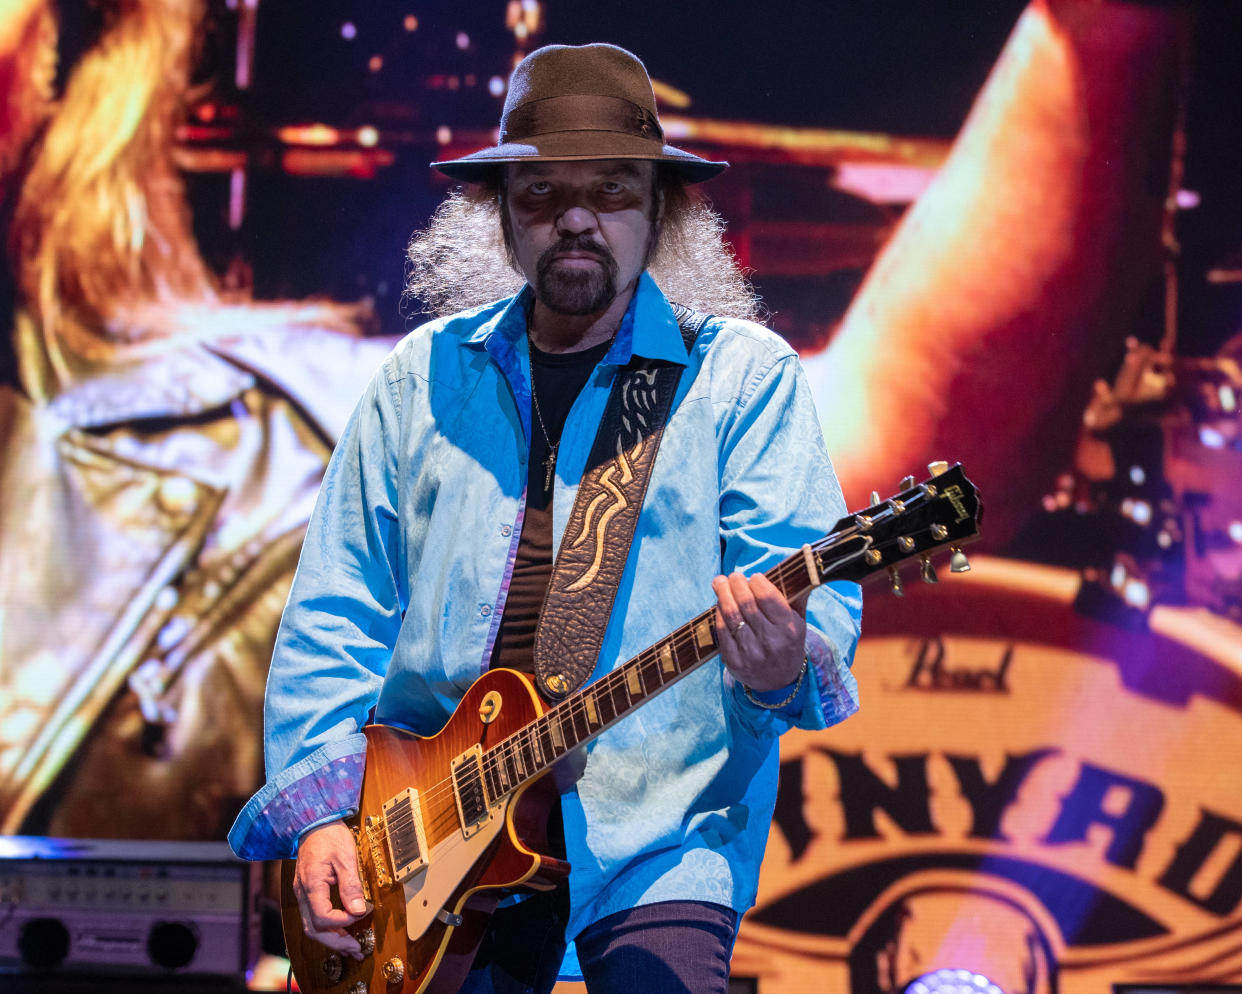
(105, 908)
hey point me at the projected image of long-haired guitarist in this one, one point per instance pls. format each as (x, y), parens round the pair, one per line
(564, 471)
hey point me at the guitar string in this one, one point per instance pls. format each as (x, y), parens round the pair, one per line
(505, 761)
(506, 758)
(646, 661)
(509, 752)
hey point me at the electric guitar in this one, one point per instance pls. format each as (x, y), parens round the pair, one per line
(449, 824)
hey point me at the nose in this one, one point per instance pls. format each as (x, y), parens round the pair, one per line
(576, 219)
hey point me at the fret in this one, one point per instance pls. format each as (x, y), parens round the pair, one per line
(668, 665)
(604, 701)
(633, 682)
(592, 712)
(509, 766)
(703, 634)
(556, 730)
(545, 748)
(534, 748)
(581, 717)
(648, 673)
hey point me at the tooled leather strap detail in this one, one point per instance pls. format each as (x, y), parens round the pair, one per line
(597, 538)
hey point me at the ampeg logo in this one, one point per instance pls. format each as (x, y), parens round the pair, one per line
(1009, 809)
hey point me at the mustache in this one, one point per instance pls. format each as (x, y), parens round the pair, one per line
(575, 244)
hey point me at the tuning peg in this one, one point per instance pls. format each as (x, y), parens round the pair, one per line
(928, 571)
(937, 467)
(906, 483)
(939, 532)
(894, 580)
(875, 497)
(958, 563)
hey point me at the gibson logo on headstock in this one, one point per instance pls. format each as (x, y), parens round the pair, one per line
(955, 497)
(931, 672)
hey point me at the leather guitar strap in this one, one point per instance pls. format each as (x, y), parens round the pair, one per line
(597, 538)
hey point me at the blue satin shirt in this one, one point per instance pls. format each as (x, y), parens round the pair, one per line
(408, 557)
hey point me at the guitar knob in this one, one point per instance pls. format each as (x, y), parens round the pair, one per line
(333, 969)
(928, 571)
(393, 971)
(361, 987)
(367, 941)
(958, 563)
(937, 467)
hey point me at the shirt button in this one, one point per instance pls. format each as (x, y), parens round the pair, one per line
(484, 610)
(506, 530)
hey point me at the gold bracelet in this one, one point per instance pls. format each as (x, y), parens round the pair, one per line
(792, 694)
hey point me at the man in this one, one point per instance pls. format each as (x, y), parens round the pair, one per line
(430, 551)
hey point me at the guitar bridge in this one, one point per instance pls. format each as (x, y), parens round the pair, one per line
(472, 810)
(407, 842)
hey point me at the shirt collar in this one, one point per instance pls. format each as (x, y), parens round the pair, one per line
(648, 329)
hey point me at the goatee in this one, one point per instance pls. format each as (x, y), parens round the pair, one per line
(572, 290)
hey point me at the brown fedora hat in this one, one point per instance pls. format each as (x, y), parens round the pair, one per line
(579, 102)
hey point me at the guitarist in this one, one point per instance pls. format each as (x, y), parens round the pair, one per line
(465, 469)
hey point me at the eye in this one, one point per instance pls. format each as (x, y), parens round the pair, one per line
(611, 187)
(539, 187)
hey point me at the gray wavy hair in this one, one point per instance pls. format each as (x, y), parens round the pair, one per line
(461, 258)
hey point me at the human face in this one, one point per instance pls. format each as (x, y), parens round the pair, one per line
(581, 231)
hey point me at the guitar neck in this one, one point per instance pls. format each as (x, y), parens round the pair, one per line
(582, 716)
(918, 521)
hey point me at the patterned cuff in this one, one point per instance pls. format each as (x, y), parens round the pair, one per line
(323, 786)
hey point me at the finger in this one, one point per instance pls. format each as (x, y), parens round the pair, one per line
(726, 605)
(753, 618)
(768, 600)
(349, 886)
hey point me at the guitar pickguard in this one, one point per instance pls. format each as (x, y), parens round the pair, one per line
(430, 889)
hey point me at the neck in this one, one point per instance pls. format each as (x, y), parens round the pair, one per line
(554, 332)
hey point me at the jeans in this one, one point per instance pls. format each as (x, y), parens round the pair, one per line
(673, 947)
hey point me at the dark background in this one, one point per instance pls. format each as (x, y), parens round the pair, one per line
(892, 66)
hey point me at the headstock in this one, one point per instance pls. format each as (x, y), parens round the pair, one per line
(944, 511)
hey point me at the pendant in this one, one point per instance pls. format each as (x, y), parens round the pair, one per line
(549, 467)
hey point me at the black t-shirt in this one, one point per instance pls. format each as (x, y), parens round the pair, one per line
(558, 378)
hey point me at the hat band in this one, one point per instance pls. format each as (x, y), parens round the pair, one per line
(579, 112)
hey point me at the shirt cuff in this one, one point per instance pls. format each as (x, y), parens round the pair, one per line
(322, 787)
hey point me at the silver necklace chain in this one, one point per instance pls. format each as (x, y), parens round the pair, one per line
(549, 463)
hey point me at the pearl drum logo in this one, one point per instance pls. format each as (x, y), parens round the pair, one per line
(1054, 808)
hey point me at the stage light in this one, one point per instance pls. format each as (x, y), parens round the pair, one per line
(368, 136)
(410, 23)
(1235, 531)
(444, 134)
(463, 40)
(375, 63)
(349, 31)
(496, 86)
(1136, 593)
(1138, 476)
(1210, 438)
(951, 981)
(1228, 399)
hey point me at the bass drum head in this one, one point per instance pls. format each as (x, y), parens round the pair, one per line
(1030, 800)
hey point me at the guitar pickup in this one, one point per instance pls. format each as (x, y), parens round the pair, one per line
(468, 790)
(407, 842)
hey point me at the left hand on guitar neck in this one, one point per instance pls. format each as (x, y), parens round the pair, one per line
(762, 637)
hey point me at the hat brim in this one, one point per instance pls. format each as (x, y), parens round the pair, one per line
(567, 146)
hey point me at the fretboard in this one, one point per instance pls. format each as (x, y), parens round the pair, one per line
(579, 718)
